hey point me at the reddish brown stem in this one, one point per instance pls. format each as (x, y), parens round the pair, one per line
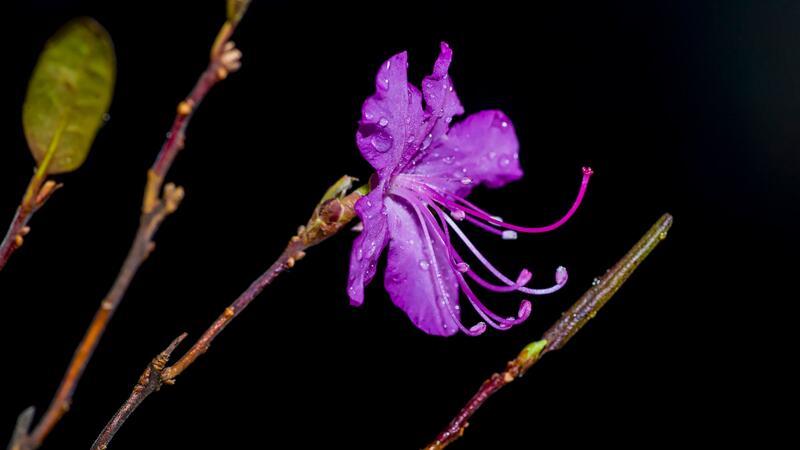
(36, 195)
(330, 216)
(560, 333)
(156, 206)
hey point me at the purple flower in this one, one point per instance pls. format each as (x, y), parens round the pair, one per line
(425, 169)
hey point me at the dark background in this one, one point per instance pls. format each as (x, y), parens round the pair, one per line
(687, 107)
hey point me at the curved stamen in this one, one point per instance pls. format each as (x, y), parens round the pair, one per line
(458, 263)
(476, 329)
(490, 317)
(486, 227)
(560, 272)
(470, 208)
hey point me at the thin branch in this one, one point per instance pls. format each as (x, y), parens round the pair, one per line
(156, 206)
(38, 192)
(330, 216)
(560, 333)
(149, 382)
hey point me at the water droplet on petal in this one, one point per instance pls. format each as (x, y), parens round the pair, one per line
(360, 254)
(106, 117)
(424, 265)
(492, 155)
(458, 214)
(427, 141)
(595, 281)
(373, 246)
(388, 64)
(448, 159)
(505, 162)
(662, 235)
(462, 267)
(466, 180)
(497, 218)
(368, 115)
(383, 122)
(381, 141)
(509, 235)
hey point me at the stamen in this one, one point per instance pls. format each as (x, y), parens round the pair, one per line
(509, 235)
(497, 273)
(476, 329)
(486, 227)
(470, 208)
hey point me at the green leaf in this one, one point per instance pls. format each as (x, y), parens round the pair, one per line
(236, 10)
(68, 95)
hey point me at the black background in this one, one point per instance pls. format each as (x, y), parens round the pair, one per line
(687, 107)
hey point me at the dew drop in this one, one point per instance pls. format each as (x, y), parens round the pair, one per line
(427, 141)
(466, 180)
(595, 281)
(381, 141)
(360, 254)
(424, 265)
(462, 267)
(663, 235)
(448, 159)
(383, 122)
(373, 246)
(505, 162)
(106, 117)
(368, 115)
(458, 214)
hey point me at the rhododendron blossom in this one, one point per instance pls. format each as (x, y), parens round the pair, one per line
(425, 170)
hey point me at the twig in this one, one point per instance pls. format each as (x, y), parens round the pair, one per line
(560, 333)
(156, 206)
(39, 190)
(149, 382)
(330, 216)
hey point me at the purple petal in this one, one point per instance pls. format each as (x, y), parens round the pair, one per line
(368, 246)
(412, 279)
(390, 118)
(483, 148)
(441, 101)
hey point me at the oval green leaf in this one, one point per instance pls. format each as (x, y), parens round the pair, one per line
(68, 95)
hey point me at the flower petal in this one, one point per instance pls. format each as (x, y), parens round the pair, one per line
(390, 118)
(441, 101)
(419, 283)
(483, 148)
(368, 246)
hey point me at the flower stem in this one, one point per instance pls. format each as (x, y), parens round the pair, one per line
(157, 204)
(560, 333)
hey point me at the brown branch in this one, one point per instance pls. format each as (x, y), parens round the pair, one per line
(39, 190)
(330, 216)
(156, 206)
(149, 382)
(560, 333)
